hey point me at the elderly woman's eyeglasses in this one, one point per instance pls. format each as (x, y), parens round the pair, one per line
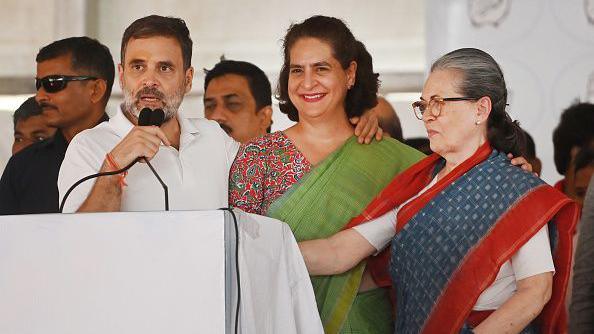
(435, 104)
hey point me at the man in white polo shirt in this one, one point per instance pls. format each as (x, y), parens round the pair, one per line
(192, 156)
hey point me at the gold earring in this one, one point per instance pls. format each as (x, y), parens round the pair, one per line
(477, 122)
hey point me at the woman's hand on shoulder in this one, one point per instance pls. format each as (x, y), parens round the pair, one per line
(520, 162)
(367, 127)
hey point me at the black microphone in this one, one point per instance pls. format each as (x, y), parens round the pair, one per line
(145, 118)
(154, 117)
(151, 117)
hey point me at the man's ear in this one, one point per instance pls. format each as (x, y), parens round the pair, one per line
(265, 116)
(98, 91)
(188, 77)
(121, 76)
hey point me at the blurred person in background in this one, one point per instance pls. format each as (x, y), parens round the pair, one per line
(30, 126)
(238, 96)
(530, 154)
(420, 143)
(584, 168)
(575, 129)
(388, 119)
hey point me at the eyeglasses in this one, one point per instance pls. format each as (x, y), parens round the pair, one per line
(435, 104)
(55, 83)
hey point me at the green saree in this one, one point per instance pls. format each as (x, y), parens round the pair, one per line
(322, 203)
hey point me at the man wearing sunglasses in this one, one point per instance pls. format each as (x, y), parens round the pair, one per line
(74, 79)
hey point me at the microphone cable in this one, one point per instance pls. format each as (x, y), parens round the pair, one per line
(115, 172)
(92, 176)
(145, 118)
(163, 185)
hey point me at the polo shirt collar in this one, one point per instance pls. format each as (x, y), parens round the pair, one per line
(122, 125)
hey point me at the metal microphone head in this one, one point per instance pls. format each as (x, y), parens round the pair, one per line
(151, 117)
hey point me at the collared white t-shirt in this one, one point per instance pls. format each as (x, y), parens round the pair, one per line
(531, 259)
(197, 175)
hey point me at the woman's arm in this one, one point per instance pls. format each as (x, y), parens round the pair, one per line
(533, 269)
(345, 249)
(524, 306)
(367, 127)
(336, 254)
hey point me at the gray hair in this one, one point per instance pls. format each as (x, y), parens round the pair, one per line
(482, 76)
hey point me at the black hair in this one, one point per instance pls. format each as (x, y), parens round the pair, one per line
(256, 78)
(576, 128)
(87, 56)
(585, 156)
(390, 123)
(156, 25)
(529, 151)
(420, 143)
(25, 110)
(363, 95)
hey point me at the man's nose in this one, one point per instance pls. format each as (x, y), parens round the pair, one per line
(150, 79)
(41, 95)
(218, 113)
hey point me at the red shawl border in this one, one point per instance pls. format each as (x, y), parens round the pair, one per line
(404, 186)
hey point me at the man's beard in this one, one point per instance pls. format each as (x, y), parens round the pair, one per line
(170, 103)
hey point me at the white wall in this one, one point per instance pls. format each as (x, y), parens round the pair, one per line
(393, 30)
(251, 30)
(545, 48)
(27, 25)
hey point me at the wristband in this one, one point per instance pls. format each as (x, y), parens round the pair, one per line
(122, 176)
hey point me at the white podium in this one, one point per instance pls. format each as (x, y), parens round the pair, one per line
(151, 272)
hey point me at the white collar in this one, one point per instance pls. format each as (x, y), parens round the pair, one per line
(122, 125)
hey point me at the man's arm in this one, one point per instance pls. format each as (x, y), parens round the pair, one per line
(8, 200)
(106, 193)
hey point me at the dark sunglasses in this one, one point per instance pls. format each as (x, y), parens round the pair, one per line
(55, 83)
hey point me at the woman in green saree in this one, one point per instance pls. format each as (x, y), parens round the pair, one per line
(316, 177)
